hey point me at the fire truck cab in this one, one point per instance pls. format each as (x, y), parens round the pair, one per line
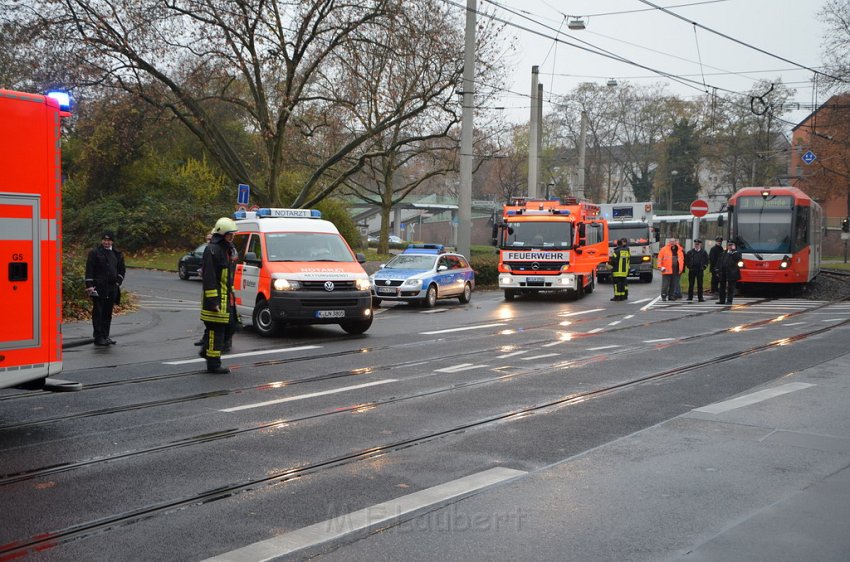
(550, 245)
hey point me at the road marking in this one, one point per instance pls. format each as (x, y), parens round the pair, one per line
(639, 301)
(459, 368)
(594, 331)
(303, 396)
(512, 354)
(793, 324)
(753, 398)
(650, 303)
(614, 323)
(565, 314)
(627, 316)
(367, 519)
(658, 340)
(463, 329)
(602, 347)
(247, 354)
(545, 355)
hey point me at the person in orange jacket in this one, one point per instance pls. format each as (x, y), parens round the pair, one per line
(671, 264)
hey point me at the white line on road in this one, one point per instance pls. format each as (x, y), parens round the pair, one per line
(614, 323)
(545, 355)
(246, 354)
(594, 331)
(753, 398)
(638, 301)
(658, 340)
(303, 396)
(505, 356)
(366, 519)
(627, 316)
(793, 324)
(459, 368)
(565, 314)
(602, 347)
(650, 303)
(463, 329)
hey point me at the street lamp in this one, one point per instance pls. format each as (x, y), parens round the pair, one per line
(576, 24)
(673, 174)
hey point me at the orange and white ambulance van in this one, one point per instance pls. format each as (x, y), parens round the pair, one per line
(295, 268)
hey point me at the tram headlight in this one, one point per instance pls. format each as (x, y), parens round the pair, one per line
(741, 264)
(785, 262)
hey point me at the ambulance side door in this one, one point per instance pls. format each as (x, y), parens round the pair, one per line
(240, 241)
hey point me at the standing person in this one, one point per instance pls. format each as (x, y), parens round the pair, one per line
(620, 261)
(217, 299)
(714, 262)
(730, 273)
(671, 263)
(696, 260)
(104, 274)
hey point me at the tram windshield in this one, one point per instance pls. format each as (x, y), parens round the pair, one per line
(764, 226)
(637, 235)
(538, 235)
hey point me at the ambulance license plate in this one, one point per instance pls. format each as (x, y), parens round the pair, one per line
(330, 314)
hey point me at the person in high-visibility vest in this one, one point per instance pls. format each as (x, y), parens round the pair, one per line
(217, 301)
(620, 269)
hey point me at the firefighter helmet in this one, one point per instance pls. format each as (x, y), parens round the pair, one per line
(224, 225)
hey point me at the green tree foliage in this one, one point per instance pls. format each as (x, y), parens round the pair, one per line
(682, 157)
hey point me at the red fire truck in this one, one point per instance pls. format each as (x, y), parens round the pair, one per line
(550, 245)
(31, 241)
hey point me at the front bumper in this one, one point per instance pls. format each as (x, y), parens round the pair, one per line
(313, 307)
(561, 282)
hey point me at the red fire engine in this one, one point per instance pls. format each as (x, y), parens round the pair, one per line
(549, 245)
(30, 241)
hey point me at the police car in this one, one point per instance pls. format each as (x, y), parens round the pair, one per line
(422, 274)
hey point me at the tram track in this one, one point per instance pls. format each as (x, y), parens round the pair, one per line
(353, 372)
(214, 436)
(267, 362)
(53, 539)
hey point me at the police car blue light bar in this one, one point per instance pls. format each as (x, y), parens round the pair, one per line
(424, 249)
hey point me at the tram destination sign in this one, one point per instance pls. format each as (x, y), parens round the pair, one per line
(776, 202)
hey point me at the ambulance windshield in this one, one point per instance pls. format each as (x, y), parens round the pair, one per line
(307, 246)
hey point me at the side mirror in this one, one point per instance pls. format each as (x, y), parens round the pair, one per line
(251, 257)
(361, 258)
(442, 268)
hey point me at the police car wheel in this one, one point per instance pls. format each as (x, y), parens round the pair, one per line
(264, 324)
(466, 295)
(430, 297)
(376, 302)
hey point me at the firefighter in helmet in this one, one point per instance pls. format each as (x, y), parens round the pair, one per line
(217, 301)
(620, 261)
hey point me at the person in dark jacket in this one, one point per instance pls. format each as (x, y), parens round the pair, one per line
(620, 262)
(217, 301)
(105, 272)
(696, 260)
(713, 261)
(730, 273)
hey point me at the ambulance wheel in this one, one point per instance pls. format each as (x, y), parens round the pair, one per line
(466, 295)
(356, 327)
(264, 324)
(183, 272)
(430, 297)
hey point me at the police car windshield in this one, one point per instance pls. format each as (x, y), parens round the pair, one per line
(306, 246)
(411, 261)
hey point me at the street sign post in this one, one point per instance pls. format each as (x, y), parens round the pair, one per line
(809, 157)
(243, 194)
(699, 208)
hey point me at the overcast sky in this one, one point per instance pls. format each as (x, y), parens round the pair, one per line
(633, 30)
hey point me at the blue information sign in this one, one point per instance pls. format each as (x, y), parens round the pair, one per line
(243, 194)
(809, 157)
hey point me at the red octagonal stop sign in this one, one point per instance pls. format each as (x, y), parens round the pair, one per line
(699, 208)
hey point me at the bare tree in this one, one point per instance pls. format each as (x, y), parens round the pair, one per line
(265, 58)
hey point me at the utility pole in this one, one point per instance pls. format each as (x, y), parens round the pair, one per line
(464, 200)
(582, 144)
(532, 137)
